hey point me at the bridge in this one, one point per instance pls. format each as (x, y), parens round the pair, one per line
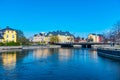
(84, 45)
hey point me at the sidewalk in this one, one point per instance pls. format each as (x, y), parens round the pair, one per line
(116, 47)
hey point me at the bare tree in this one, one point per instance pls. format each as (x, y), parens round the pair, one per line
(114, 34)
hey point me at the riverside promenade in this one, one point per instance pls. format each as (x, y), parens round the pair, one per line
(110, 52)
(19, 48)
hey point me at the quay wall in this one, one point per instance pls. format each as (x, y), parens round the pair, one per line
(109, 53)
(39, 47)
(27, 47)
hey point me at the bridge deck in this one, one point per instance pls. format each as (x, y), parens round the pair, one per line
(83, 43)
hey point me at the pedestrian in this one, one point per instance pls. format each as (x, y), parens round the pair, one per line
(113, 44)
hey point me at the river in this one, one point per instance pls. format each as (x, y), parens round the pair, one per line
(57, 64)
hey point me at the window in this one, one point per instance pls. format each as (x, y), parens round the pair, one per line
(6, 40)
(12, 36)
(7, 36)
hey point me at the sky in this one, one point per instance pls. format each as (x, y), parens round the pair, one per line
(79, 17)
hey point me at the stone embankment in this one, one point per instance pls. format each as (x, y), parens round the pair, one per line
(110, 52)
(10, 47)
(39, 47)
(27, 47)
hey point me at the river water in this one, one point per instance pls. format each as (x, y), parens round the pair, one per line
(57, 64)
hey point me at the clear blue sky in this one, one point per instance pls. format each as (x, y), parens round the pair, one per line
(77, 16)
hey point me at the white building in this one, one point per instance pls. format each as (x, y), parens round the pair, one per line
(39, 37)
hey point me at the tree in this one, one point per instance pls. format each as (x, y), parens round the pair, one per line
(117, 31)
(90, 40)
(21, 38)
(54, 39)
(114, 33)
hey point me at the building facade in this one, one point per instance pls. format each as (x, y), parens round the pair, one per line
(97, 38)
(79, 40)
(39, 37)
(64, 37)
(8, 35)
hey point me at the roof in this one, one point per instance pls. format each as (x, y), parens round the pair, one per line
(56, 33)
(96, 34)
(77, 37)
(3, 30)
(40, 34)
(1, 37)
(99, 34)
(7, 28)
(35, 34)
(93, 34)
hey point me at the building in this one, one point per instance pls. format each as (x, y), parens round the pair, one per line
(100, 37)
(39, 37)
(79, 40)
(64, 37)
(8, 35)
(83, 40)
(95, 38)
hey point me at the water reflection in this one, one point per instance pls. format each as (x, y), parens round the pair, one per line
(93, 54)
(60, 64)
(64, 54)
(41, 53)
(9, 60)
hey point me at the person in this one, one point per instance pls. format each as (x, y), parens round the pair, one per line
(113, 44)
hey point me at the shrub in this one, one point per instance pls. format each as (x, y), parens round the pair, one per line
(12, 44)
(1, 44)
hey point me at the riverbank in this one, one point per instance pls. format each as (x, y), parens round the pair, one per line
(19, 48)
(39, 47)
(10, 47)
(109, 52)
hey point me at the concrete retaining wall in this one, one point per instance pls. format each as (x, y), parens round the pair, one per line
(10, 47)
(109, 53)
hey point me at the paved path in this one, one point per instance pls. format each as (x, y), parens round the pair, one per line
(116, 47)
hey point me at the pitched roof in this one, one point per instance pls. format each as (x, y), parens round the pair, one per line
(1, 36)
(7, 28)
(99, 34)
(96, 34)
(56, 33)
(93, 34)
(3, 30)
(40, 34)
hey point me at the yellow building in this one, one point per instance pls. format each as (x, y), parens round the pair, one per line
(92, 38)
(8, 35)
(64, 37)
(95, 38)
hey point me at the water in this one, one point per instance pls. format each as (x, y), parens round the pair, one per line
(57, 64)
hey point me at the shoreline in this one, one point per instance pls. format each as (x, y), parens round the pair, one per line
(111, 53)
(20, 48)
